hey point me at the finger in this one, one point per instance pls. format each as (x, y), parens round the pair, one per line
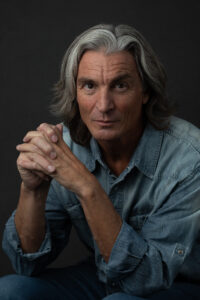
(30, 135)
(24, 163)
(38, 146)
(50, 131)
(35, 162)
(40, 142)
(57, 131)
(42, 175)
(60, 127)
(28, 147)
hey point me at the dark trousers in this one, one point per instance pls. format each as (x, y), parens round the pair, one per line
(79, 282)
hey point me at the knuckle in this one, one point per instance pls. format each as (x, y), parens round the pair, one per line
(37, 139)
(48, 149)
(42, 125)
(19, 158)
(35, 165)
(35, 148)
(29, 133)
(41, 143)
(45, 128)
(51, 130)
(19, 161)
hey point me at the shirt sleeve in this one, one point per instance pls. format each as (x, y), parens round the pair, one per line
(58, 227)
(144, 262)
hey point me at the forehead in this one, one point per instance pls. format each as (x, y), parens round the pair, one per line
(95, 62)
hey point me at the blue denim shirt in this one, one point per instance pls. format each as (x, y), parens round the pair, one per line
(158, 198)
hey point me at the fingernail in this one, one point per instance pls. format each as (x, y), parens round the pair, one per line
(53, 155)
(51, 168)
(54, 138)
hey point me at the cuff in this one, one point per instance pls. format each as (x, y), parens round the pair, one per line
(14, 241)
(126, 254)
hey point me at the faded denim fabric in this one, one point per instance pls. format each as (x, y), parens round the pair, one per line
(158, 198)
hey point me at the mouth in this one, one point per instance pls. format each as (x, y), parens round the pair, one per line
(105, 123)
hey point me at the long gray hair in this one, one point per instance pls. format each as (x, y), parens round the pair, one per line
(113, 39)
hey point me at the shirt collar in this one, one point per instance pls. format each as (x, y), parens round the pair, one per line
(146, 154)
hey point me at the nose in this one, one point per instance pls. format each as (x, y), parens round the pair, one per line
(104, 102)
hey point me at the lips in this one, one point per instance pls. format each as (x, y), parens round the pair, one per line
(105, 123)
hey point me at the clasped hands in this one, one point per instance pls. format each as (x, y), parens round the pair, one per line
(45, 155)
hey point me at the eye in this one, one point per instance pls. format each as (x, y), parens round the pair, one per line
(89, 85)
(121, 86)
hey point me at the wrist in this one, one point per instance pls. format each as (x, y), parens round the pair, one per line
(37, 192)
(89, 189)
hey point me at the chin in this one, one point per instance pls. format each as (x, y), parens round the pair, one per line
(107, 136)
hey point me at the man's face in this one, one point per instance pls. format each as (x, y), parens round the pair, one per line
(110, 95)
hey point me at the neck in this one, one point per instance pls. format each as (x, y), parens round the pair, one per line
(118, 153)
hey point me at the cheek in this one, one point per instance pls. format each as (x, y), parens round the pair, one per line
(85, 106)
(130, 109)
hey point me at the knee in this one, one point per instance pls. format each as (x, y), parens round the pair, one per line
(14, 287)
(115, 296)
(122, 296)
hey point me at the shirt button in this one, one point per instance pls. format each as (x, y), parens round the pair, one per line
(180, 251)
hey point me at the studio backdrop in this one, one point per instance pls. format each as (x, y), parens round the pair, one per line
(33, 38)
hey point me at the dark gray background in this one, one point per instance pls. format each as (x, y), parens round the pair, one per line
(33, 38)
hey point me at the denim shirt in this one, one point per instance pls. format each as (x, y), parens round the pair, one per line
(158, 198)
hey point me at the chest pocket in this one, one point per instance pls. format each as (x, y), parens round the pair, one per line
(137, 222)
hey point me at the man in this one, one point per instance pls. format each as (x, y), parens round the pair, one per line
(125, 173)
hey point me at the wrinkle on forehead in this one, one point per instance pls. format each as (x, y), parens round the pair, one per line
(105, 67)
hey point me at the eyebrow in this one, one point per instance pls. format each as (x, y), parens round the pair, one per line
(82, 80)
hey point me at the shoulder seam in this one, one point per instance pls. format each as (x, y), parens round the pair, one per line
(170, 132)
